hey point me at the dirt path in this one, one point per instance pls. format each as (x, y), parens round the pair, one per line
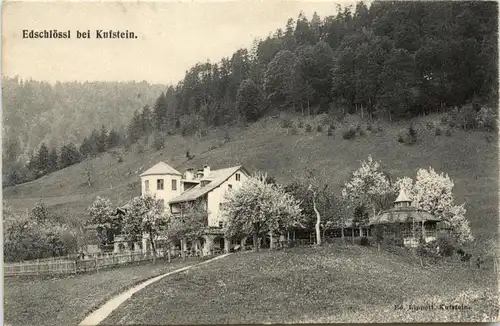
(106, 309)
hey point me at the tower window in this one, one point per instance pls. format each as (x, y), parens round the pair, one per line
(237, 177)
(146, 185)
(159, 184)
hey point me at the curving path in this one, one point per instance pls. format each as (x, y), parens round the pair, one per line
(106, 309)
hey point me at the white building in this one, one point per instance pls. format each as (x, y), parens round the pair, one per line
(204, 185)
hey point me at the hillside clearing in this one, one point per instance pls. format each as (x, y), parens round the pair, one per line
(467, 157)
(328, 284)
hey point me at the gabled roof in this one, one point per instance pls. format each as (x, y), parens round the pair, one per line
(217, 177)
(161, 168)
(402, 197)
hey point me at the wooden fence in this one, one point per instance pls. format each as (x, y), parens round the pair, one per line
(74, 266)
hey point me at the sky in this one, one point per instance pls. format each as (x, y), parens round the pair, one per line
(171, 36)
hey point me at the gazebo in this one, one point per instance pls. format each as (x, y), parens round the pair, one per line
(407, 223)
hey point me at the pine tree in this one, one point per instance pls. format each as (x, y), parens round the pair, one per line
(69, 156)
(101, 140)
(43, 160)
(52, 163)
(113, 139)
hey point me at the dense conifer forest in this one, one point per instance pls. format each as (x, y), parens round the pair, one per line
(390, 61)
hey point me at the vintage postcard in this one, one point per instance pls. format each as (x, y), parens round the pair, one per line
(249, 162)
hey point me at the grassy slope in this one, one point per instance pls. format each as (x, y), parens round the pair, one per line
(66, 301)
(467, 157)
(328, 284)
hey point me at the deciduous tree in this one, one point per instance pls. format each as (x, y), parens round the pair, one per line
(257, 208)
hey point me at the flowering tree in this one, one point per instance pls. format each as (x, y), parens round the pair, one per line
(190, 224)
(103, 218)
(145, 215)
(368, 186)
(154, 220)
(27, 238)
(433, 192)
(258, 207)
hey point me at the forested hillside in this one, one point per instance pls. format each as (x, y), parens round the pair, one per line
(389, 61)
(38, 112)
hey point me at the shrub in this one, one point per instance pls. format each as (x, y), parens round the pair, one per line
(330, 131)
(293, 131)
(300, 124)
(140, 148)
(286, 123)
(445, 245)
(412, 134)
(438, 131)
(401, 138)
(486, 118)
(430, 125)
(489, 138)
(319, 128)
(308, 128)
(349, 133)
(444, 120)
(211, 148)
(448, 132)
(380, 129)
(369, 127)
(365, 242)
(361, 132)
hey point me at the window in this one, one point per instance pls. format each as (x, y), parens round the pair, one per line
(159, 184)
(146, 185)
(221, 224)
(237, 177)
(230, 187)
(174, 184)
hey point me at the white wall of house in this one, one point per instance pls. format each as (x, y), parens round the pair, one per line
(216, 197)
(167, 193)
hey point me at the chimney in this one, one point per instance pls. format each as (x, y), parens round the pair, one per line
(206, 171)
(199, 174)
(189, 175)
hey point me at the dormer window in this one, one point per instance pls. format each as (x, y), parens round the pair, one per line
(159, 184)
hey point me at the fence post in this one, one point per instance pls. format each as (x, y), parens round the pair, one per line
(75, 266)
(96, 264)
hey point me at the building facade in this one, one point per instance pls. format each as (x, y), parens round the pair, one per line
(206, 186)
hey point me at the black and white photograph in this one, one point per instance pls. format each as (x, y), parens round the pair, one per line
(231, 162)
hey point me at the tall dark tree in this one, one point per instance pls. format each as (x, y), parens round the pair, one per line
(249, 101)
(69, 156)
(52, 162)
(43, 160)
(101, 140)
(113, 139)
